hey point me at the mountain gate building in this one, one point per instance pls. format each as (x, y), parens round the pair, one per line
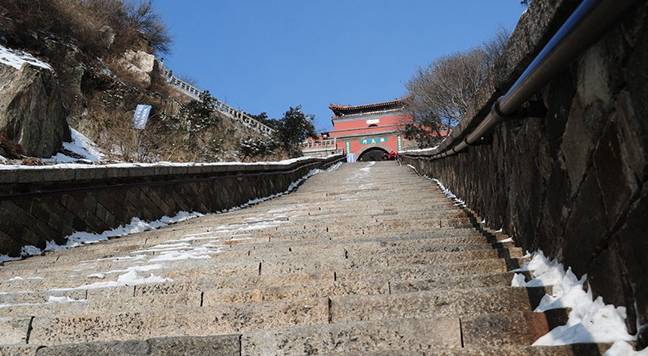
(368, 132)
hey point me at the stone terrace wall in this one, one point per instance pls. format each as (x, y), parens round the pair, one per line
(571, 177)
(38, 205)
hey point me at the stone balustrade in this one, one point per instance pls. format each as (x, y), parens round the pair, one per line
(194, 92)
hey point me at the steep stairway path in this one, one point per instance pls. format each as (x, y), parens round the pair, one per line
(368, 259)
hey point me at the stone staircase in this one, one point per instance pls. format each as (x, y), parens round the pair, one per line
(368, 259)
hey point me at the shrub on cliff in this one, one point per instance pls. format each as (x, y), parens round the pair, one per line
(101, 28)
(254, 147)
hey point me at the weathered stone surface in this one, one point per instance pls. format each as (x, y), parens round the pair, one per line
(139, 65)
(355, 337)
(14, 331)
(32, 113)
(224, 345)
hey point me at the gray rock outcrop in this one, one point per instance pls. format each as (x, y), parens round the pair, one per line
(139, 65)
(32, 113)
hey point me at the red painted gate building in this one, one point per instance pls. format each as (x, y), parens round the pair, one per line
(369, 131)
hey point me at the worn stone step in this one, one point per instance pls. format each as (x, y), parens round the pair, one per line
(517, 350)
(355, 337)
(184, 345)
(251, 272)
(70, 259)
(419, 272)
(162, 295)
(509, 327)
(442, 302)
(142, 323)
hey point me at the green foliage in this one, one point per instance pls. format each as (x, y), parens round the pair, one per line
(293, 128)
(264, 119)
(194, 116)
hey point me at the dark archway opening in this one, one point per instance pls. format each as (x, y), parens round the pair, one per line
(373, 154)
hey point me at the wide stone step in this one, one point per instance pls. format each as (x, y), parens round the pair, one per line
(120, 248)
(443, 302)
(121, 321)
(142, 322)
(173, 294)
(356, 337)
(184, 345)
(510, 327)
(250, 272)
(517, 350)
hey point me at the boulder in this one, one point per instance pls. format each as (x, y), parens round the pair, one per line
(32, 113)
(139, 65)
(106, 36)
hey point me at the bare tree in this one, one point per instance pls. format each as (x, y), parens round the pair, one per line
(143, 17)
(441, 94)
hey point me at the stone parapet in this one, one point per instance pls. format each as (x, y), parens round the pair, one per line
(48, 204)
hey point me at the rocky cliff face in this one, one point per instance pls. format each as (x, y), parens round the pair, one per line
(32, 113)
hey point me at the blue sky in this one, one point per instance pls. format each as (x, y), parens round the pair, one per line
(267, 55)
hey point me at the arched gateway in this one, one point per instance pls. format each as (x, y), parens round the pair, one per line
(373, 154)
(367, 132)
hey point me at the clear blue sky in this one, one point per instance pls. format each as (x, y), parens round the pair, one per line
(263, 55)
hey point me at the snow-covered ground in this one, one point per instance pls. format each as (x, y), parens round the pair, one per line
(15, 58)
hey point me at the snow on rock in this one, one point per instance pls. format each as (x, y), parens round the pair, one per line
(16, 59)
(82, 146)
(622, 348)
(3, 160)
(590, 320)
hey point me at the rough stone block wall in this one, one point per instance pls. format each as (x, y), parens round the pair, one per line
(39, 205)
(571, 177)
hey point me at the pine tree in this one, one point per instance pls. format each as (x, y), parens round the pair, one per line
(293, 128)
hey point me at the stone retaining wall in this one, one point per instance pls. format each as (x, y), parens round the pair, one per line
(39, 205)
(570, 176)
